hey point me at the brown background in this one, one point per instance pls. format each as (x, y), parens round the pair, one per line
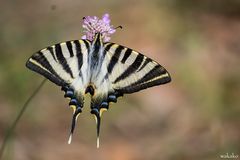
(196, 116)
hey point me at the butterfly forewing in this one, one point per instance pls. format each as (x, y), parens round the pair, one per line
(60, 63)
(130, 71)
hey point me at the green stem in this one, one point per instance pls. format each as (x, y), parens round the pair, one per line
(13, 126)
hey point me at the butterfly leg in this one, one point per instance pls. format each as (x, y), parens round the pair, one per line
(76, 104)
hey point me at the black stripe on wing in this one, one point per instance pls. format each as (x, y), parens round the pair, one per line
(156, 76)
(126, 55)
(107, 48)
(131, 69)
(114, 59)
(50, 49)
(62, 60)
(39, 63)
(79, 54)
(147, 60)
(70, 49)
(87, 45)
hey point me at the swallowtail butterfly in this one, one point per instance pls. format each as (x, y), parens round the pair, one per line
(105, 70)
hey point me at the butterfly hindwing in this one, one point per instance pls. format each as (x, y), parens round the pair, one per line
(130, 71)
(65, 64)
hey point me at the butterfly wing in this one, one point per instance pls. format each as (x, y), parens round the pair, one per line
(60, 63)
(130, 71)
(123, 70)
(63, 64)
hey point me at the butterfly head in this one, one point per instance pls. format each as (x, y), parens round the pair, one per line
(98, 39)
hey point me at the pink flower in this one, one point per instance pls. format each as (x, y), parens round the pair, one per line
(93, 25)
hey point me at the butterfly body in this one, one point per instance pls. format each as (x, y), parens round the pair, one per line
(105, 70)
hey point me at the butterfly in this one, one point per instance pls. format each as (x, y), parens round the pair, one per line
(105, 70)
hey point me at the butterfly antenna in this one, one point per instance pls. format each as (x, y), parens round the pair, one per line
(74, 120)
(118, 27)
(114, 28)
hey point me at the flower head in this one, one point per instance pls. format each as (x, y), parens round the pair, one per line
(93, 25)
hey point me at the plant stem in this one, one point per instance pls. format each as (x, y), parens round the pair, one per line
(14, 124)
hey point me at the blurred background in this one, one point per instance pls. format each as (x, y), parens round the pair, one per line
(196, 116)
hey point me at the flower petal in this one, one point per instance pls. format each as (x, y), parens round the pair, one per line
(92, 25)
